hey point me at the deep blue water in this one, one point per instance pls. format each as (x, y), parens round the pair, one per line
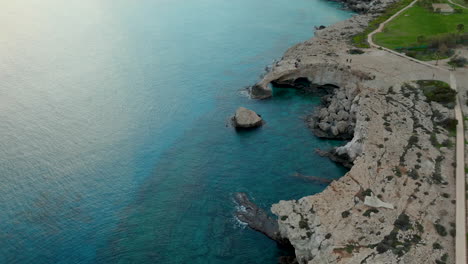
(114, 144)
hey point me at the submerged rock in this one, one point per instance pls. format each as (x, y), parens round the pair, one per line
(246, 118)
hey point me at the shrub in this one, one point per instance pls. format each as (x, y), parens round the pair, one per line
(303, 224)
(413, 174)
(437, 246)
(350, 248)
(355, 51)
(457, 61)
(367, 192)
(450, 124)
(345, 214)
(368, 212)
(403, 222)
(438, 91)
(419, 227)
(440, 229)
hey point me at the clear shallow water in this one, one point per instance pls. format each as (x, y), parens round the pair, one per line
(113, 137)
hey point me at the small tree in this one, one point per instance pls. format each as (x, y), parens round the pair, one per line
(460, 28)
(437, 55)
(443, 50)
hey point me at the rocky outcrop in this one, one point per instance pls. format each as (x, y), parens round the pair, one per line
(315, 179)
(336, 118)
(365, 6)
(246, 118)
(257, 219)
(341, 158)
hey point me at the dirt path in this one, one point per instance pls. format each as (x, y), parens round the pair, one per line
(457, 4)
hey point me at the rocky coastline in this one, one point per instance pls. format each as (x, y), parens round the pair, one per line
(396, 204)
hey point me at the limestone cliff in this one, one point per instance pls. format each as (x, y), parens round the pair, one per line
(398, 164)
(400, 152)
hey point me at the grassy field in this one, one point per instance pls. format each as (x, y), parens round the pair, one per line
(418, 21)
(360, 40)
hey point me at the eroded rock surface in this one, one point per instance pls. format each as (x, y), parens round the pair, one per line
(352, 221)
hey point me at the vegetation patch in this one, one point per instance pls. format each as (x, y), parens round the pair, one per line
(413, 174)
(437, 246)
(345, 214)
(303, 224)
(399, 245)
(440, 229)
(403, 222)
(350, 248)
(438, 91)
(355, 51)
(419, 227)
(368, 212)
(443, 259)
(458, 62)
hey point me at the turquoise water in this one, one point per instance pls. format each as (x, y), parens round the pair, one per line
(113, 138)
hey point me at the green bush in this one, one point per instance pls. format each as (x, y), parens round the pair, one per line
(345, 214)
(457, 61)
(403, 222)
(355, 51)
(440, 229)
(437, 246)
(438, 91)
(368, 212)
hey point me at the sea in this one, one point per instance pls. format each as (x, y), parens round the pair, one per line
(115, 137)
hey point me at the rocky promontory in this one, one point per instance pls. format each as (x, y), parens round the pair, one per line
(396, 204)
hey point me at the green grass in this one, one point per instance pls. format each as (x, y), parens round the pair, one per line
(404, 30)
(360, 40)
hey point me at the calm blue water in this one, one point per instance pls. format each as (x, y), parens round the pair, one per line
(113, 139)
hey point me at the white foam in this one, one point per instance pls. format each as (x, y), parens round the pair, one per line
(238, 223)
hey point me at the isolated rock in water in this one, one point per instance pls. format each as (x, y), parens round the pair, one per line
(373, 201)
(246, 118)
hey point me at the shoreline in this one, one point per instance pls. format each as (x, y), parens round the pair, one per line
(396, 162)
